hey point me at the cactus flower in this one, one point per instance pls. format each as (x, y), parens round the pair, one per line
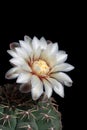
(39, 66)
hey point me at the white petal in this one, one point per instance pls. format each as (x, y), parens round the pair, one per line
(54, 82)
(35, 80)
(24, 78)
(26, 46)
(62, 67)
(43, 43)
(26, 67)
(13, 45)
(22, 63)
(57, 59)
(48, 88)
(49, 59)
(17, 61)
(12, 76)
(63, 78)
(53, 58)
(12, 73)
(12, 53)
(61, 58)
(58, 88)
(37, 53)
(53, 49)
(37, 87)
(50, 54)
(45, 54)
(27, 39)
(35, 43)
(61, 52)
(48, 48)
(22, 52)
(25, 88)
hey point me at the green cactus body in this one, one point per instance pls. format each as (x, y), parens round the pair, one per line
(19, 112)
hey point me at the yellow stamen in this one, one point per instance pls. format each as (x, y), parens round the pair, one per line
(40, 67)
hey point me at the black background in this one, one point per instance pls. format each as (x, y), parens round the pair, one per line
(55, 23)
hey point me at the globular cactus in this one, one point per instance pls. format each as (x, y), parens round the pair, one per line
(19, 112)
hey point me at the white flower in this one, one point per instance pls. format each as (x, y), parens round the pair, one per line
(39, 66)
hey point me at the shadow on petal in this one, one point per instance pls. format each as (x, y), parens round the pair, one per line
(13, 45)
(25, 88)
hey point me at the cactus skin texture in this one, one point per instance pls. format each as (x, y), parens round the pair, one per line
(19, 112)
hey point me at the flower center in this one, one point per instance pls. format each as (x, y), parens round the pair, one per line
(40, 67)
